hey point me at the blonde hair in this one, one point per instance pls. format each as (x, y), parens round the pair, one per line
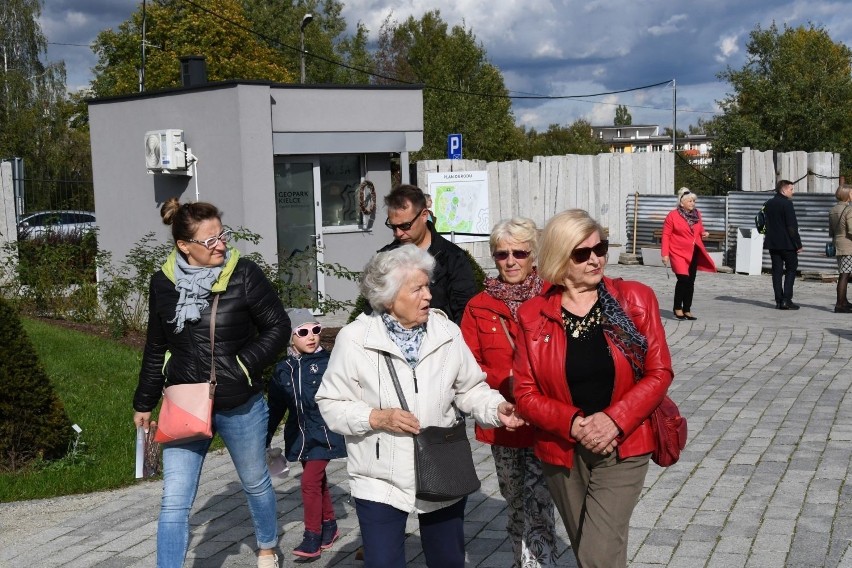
(684, 193)
(518, 229)
(843, 191)
(560, 237)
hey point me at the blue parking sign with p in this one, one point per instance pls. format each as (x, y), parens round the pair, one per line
(454, 146)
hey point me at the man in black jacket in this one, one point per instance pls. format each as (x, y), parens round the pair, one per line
(452, 282)
(783, 242)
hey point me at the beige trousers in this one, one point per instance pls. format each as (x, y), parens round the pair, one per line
(595, 500)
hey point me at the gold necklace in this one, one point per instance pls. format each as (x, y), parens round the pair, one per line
(580, 328)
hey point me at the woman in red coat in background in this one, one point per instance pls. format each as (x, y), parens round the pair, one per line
(592, 365)
(489, 327)
(683, 250)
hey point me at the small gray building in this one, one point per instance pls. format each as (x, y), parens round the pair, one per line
(288, 162)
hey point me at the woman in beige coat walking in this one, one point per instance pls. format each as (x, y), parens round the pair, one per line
(840, 230)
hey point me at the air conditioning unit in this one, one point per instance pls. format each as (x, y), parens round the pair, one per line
(165, 152)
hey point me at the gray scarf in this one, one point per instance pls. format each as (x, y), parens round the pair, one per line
(194, 284)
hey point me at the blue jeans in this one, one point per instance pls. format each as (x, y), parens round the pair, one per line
(243, 429)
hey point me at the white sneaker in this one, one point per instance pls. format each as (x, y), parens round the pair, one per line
(269, 561)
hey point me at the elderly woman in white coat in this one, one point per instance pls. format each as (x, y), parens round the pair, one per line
(357, 398)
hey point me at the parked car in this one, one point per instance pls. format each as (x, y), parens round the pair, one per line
(62, 222)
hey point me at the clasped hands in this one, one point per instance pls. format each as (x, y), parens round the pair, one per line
(597, 433)
(402, 421)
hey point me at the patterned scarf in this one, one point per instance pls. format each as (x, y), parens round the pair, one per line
(514, 294)
(408, 340)
(622, 331)
(194, 284)
(692, 217)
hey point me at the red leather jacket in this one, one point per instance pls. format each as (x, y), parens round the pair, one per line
(541, 388)
(485, 337)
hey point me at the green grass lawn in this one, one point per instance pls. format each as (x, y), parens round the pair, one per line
(95, 379)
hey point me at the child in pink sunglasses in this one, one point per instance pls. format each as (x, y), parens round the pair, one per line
(307, 439)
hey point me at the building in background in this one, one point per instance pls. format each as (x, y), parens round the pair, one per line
(288, 162)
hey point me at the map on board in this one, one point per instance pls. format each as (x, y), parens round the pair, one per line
(460, 204)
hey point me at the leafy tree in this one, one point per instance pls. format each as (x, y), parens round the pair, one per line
(325, 41)
(557, 140)
(464, 92)
(794, 93)
(216, 29)
(622, 116)
(34, 110)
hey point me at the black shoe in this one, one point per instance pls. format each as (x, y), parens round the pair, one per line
(330, 532)
(689, 316)
(779, 306)
(311, 545)
(680, 316)
(788, 305)
(847, 309)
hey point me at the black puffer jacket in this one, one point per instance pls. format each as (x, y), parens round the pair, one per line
(252, 330)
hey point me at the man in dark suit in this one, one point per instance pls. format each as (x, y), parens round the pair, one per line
(452, 282)
(783, 242)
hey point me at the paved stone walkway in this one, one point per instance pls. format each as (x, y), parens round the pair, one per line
(763, 481)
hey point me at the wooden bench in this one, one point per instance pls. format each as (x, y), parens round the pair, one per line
(716, 238)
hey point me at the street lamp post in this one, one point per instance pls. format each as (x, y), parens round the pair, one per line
(307, 19)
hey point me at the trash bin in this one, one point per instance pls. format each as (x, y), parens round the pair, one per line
(749, 251)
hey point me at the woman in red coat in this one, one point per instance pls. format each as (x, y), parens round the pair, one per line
(592, 364)
(683, 249)
(489, 327)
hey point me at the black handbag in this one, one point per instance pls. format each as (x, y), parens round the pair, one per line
(443, 461)
(830, 250)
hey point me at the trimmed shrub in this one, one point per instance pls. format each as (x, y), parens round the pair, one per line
(33, 423)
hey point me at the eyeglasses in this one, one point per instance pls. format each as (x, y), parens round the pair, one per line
(401, 226)
(304, 331)
(211, 243)
(502, 255)
(583, 254)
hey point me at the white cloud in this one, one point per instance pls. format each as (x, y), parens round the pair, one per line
(728, 46)
(563, 47)
(670, 25)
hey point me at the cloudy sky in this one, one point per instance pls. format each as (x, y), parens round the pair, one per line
(551, 47)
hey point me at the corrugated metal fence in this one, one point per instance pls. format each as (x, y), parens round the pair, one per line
(736, 210)
(605, 184)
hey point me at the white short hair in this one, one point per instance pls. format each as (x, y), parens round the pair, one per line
(685, 193)
(385, 274)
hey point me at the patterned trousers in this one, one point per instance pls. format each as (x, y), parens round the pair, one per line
(530, 507)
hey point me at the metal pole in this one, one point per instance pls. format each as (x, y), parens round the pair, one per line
(306, 19)
(674, 116)
(635, 218)
(302, 52)
(142, 68)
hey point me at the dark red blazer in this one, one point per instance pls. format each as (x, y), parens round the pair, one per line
(541, 387)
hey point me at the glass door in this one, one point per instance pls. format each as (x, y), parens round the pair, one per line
(299, 229)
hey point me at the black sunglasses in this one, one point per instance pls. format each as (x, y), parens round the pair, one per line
(304, 331)
(504, 254)
(401, 226)
(583, 254)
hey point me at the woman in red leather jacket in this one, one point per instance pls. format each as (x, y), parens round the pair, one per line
(591, 366)
(683, 249)
(489, 327)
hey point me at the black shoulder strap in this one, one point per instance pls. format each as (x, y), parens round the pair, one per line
(396, 384)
